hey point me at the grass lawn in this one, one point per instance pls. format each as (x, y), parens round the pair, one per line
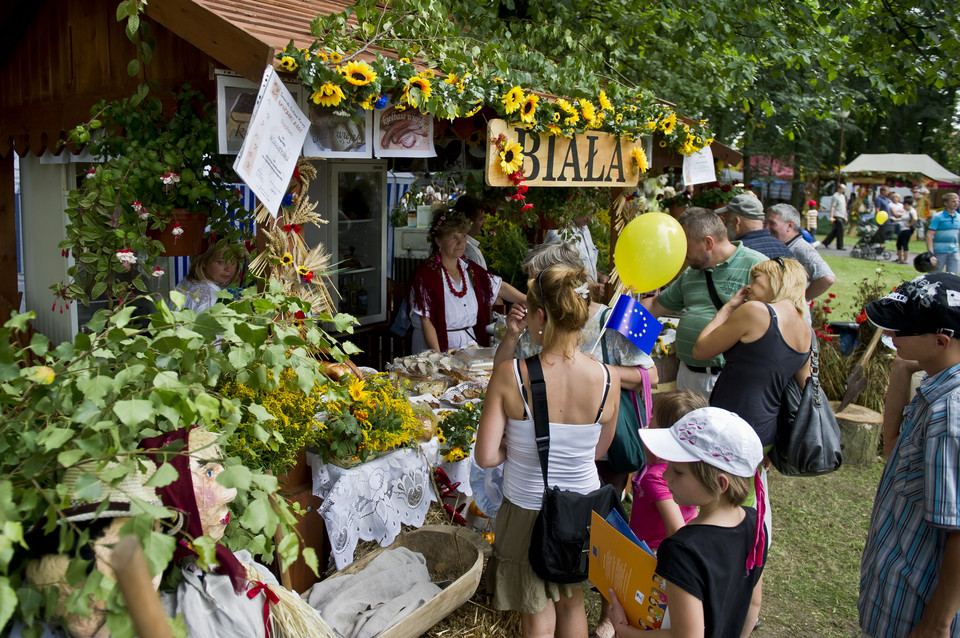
(851, 271)
(813, 569)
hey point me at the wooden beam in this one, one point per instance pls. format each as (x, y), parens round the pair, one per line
(220, 39)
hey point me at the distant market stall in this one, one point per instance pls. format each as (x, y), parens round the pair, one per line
(918, 168)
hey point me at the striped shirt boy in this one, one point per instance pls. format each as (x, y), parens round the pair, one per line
(916, 509)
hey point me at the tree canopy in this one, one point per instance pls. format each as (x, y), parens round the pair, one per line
(770, 76)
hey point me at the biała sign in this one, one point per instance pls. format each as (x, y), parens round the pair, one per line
(587, 159)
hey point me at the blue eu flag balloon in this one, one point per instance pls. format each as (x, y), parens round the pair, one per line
(635, 322)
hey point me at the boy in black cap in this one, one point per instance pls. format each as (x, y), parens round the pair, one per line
(910, 572)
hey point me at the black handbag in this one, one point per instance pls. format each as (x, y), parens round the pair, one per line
(808, 436)
(626, 453)
(560, 541)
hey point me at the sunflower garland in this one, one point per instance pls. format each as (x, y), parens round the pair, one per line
(335, 77)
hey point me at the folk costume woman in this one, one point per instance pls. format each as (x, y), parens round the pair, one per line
(451, 297)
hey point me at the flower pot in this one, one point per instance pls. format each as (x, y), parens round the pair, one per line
(718, 205)
(676, 211)
(187, 243)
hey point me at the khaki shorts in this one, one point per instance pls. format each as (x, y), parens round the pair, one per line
(510, 578)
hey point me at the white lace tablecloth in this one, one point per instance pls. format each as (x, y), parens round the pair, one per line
(372, 500)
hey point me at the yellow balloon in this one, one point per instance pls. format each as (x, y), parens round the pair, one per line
(650, 251)
(882, 217)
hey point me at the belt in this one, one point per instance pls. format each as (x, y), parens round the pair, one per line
(702, 370)
(459, 329)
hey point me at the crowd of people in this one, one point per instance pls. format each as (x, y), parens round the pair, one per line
(743, 333)
(700, 500)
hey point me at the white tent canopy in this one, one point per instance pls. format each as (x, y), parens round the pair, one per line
(877, 167)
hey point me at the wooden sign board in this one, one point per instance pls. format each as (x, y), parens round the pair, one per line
(587, 159)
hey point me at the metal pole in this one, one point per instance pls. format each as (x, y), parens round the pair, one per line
(843, 121)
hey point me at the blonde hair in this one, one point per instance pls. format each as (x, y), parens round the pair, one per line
(788, 280)
(709, 477)
(198, 265)
(670, 407)
(565, 309)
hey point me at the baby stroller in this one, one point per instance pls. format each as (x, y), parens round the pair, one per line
(870, 240)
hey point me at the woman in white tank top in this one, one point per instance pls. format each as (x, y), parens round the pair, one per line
(583, 420)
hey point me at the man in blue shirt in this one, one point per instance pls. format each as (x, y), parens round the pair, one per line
(910, 571)
(743, 217)
(942, 236)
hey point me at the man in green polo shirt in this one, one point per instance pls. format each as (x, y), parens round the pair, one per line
(710, 256)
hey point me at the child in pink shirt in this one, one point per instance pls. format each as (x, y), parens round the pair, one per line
(654, 514)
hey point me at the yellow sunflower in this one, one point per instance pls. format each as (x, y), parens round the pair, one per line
(528, 110)
(322, 55)
(335, 57)
(451, 78)
(640, 157)
(605, 103)
(356, 390)
(288, 64)
(474, 110)
(651, 125)
(511, 157)
(663, 144)
(421, 84)
(405, 60)
(588, 110)
(618, 118)
(303, 271)
(556, 116)
(287, 259)
(359, 73)
(427, 73)
(328, 95)
(669, 123)
(513, 99)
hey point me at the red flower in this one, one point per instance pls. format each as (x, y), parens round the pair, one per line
(826, 338)
(862, 317)
(827, 310)
(293, 228)
(296, 172)
(831, 295)
(726, 188)
(522, 188)
(526, 207)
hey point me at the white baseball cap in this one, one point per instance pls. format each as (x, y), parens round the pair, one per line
(715, 436)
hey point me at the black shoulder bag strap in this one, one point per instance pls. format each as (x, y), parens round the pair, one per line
(712, 290)
(541, 414)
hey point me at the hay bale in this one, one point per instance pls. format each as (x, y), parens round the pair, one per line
(859, 433)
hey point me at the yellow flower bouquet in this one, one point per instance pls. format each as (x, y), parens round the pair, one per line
(343, 421)
(458, 431)
(373, 417)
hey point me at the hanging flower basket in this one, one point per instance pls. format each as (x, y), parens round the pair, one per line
(182, 234)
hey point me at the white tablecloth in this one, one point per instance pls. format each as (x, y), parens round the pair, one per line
(372, 500)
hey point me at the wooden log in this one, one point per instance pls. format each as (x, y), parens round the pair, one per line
(859, 433)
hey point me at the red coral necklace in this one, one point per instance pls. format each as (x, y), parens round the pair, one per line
(463, 280)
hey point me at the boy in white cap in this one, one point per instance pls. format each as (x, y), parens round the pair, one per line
(713, 563)
(910, 571)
